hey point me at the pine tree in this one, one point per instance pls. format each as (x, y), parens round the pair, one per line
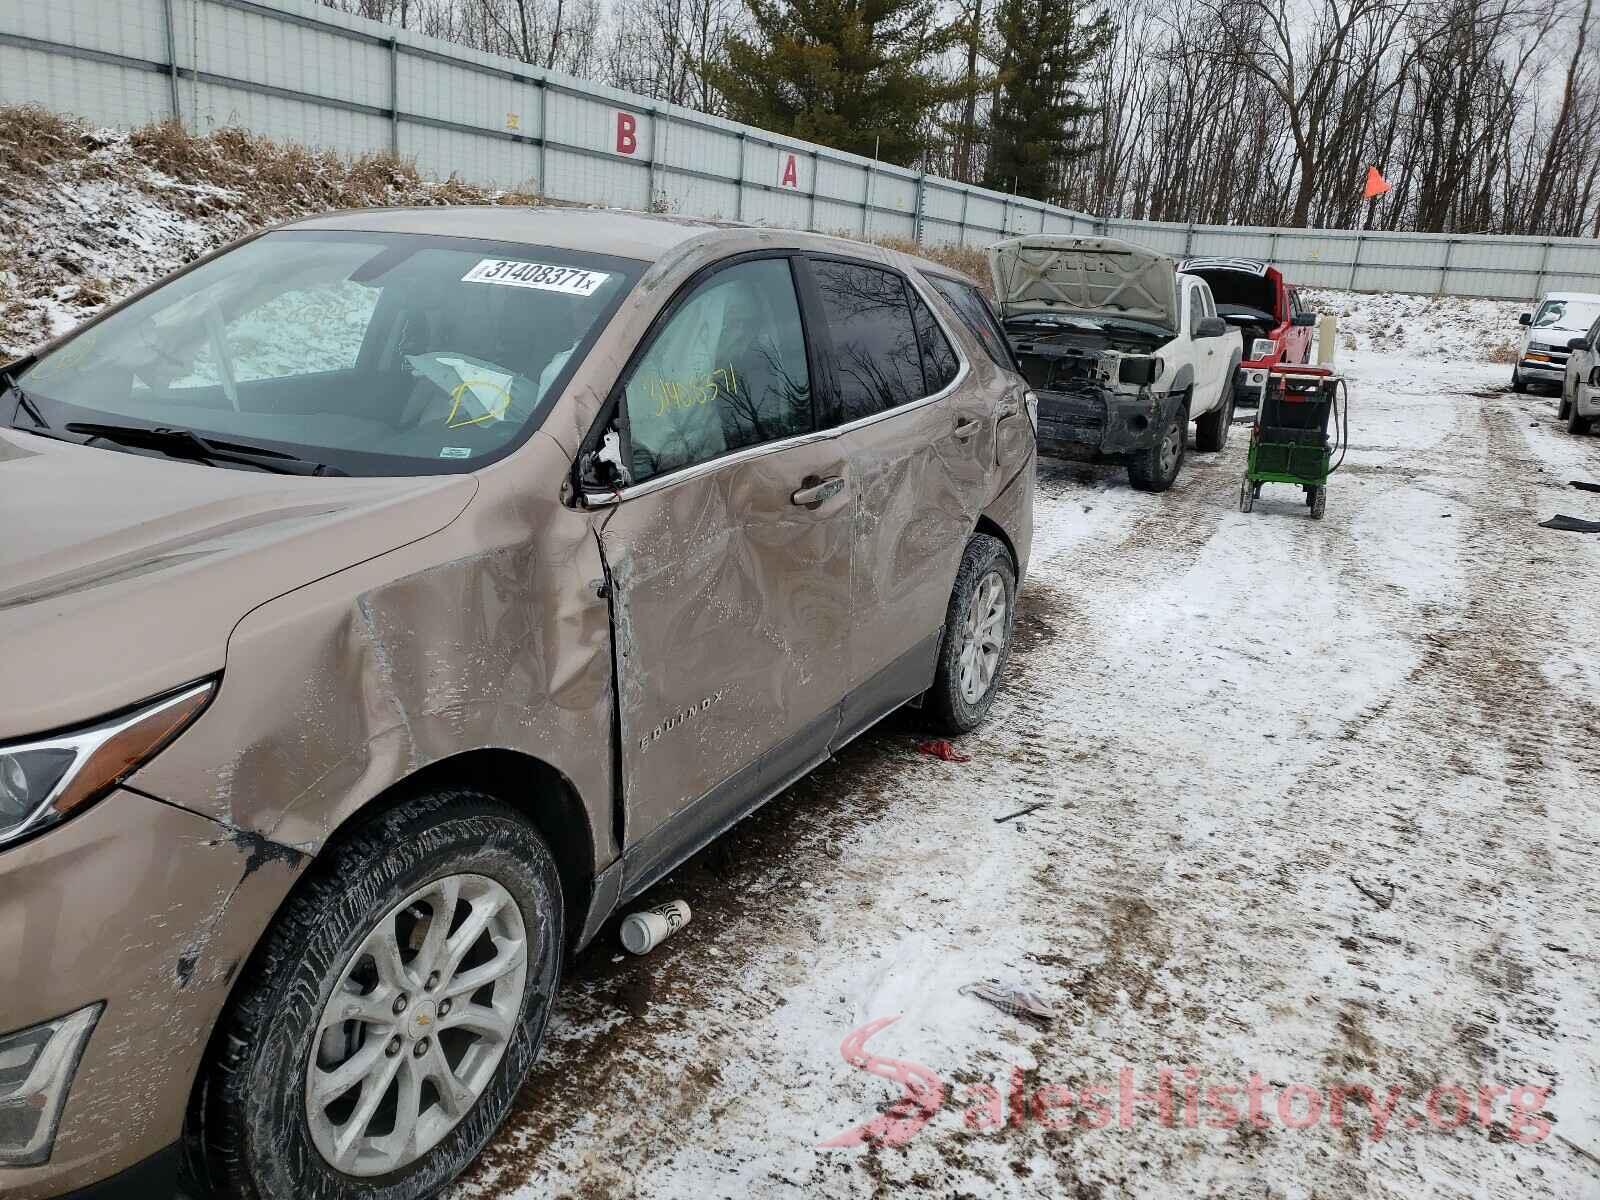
(853, 74)
(1044, 47)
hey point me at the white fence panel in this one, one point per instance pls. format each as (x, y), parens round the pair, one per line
(298, 71)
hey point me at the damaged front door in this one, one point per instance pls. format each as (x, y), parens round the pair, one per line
(729, 560)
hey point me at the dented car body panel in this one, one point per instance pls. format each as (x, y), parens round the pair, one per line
(638, 669)
(153, 910)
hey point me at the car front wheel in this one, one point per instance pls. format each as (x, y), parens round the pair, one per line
(977, 637)
(1576, 421)
(390, 1014)
(1156, 469)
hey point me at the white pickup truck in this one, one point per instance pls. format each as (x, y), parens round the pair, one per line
(1122, 349)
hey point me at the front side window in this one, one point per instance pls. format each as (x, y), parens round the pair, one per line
(974, 310)
(373, 353)
(727, 370)
(878, 364)
(1197, 311)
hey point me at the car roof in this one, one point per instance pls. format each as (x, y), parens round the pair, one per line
(1592, 297)
(622, 232)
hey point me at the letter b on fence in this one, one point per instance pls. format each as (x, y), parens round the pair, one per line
(627, 133)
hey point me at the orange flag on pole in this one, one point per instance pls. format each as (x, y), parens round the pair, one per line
(1377, 185)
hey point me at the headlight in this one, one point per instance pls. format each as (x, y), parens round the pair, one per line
(1160, 367)
(1262, 348)
(50, 778)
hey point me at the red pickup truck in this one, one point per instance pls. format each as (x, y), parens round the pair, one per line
(1254, 298)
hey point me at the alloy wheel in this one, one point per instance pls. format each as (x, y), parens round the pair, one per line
(982, 638)
(421, 1016)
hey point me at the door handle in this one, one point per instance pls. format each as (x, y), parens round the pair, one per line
(967, 428)
(817, 491)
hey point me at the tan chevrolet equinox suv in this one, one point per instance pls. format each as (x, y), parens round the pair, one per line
(388, 598)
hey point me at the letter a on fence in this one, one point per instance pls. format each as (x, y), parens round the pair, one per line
(789, 170)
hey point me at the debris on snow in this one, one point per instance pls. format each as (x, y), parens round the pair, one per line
(940, 748)
(1021, 812)
(1566, 524)
(1012, 999)
(646, 929)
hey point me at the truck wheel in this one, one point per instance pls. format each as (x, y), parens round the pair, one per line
(977, 637)
(390, 1013)
(1156, 469)
(1211, 430)
(1517, 385)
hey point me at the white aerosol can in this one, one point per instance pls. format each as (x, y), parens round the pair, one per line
(646, 929)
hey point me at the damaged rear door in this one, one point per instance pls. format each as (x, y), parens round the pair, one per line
(728, 555)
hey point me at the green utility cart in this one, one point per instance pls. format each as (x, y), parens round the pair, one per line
(1290, 441)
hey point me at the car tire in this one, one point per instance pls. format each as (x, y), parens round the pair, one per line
(339, 945)
(976, 643)
(1156, 469)
(1576, 422)
(1517, 384)
(1563, 409)
(1211, 430)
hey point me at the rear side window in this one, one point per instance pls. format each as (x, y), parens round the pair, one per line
(728, 370)
(877, 361)
(975, 312)
(939, 362)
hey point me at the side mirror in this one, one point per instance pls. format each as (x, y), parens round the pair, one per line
(1525, 319)
(1578, 343)
(1211, 327)
(1303, 320)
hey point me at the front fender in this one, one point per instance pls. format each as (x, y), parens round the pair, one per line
(487, 635)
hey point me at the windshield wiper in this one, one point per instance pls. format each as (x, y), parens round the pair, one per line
(24, 402)
(189, 444)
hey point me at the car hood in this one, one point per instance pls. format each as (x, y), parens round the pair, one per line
(1084, 276)
(122, 575)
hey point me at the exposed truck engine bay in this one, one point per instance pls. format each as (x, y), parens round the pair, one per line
(1058, 357)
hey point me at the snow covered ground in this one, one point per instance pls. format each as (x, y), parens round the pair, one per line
(1319, 810)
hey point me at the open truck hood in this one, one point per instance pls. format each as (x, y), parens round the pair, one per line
(1084, 276)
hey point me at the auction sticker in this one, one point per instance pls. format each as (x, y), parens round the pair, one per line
(571, 281)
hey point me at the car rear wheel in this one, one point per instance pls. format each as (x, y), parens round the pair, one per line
(977, 637)
(1156, 469)
(1517, 383)
(390, 1014)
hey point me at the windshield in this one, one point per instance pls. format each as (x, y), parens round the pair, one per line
(1567, 314)
(377, 354)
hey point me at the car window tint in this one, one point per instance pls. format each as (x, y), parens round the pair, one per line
(939, 362)
(877, 362)
(975, 313)
(728, 370)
